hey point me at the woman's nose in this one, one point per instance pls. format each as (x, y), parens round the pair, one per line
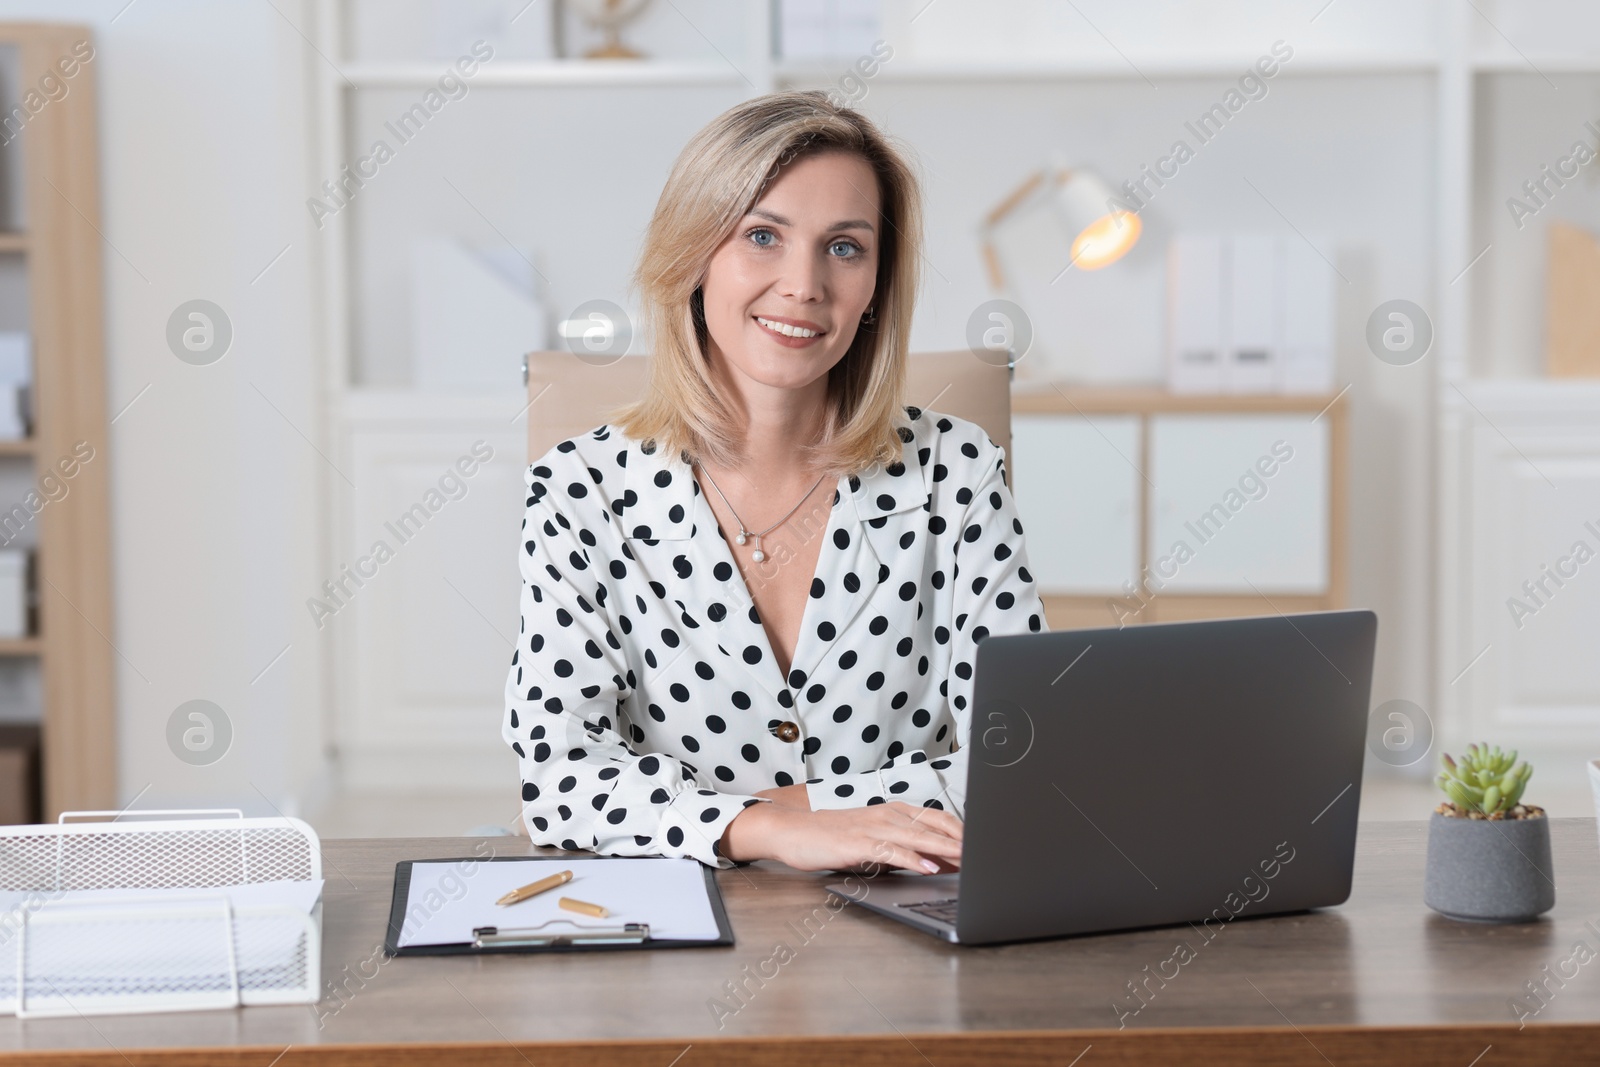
(802, 277)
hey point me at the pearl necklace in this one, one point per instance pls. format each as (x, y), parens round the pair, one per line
(746, 535)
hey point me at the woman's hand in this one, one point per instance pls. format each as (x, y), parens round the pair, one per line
(893, 834)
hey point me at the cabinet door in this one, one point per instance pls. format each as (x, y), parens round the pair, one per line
(1532, 591)
(1240, 504)
(425, 636)
(1077, 488)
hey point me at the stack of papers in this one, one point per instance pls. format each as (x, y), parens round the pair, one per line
(181, 942)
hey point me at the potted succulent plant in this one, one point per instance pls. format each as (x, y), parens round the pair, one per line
(1488, 853)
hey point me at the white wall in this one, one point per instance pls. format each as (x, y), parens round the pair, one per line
(203, 159)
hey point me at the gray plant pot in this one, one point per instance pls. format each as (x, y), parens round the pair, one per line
(1484, 870)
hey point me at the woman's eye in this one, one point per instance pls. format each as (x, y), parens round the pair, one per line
(765, 238)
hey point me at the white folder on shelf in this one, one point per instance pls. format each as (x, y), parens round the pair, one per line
(474, 311)
(1308, 320)
(16, 384)
(1195, 313)
(1252, 361)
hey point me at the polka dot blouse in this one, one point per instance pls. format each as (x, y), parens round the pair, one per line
(644, 701)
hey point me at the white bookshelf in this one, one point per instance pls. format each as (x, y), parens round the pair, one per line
(1430, 71)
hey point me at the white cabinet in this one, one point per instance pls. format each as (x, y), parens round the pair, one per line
(422, 598)
(1142, 505)
(1077, 489)
(1239, 504)
(1520, 584)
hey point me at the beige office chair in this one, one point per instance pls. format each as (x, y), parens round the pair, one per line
(568, 396)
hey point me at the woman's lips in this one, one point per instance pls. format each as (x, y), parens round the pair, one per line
(784, 339)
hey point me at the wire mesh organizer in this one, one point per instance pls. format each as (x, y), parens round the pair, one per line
(174, 939)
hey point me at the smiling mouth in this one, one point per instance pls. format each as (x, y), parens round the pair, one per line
(785, 330)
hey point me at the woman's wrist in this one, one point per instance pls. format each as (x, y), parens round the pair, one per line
(788, 796)
(748, 834)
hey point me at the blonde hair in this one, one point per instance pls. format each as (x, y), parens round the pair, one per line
(720, 175)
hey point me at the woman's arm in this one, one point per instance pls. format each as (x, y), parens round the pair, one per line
(993, 593)
(582, 786)
(895, 835)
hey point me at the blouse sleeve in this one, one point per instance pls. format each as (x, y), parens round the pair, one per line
(993, 594)
(583, 788)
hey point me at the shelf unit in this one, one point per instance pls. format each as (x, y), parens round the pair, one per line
(60, 244)
(1145, 604)
(1459, 55)
(1496, 438)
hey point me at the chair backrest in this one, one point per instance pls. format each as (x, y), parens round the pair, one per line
(568, 396)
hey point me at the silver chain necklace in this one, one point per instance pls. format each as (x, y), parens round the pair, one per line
(744, 534)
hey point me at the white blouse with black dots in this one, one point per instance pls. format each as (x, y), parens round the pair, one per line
(644, 702)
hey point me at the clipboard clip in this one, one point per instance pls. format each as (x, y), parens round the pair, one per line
(539, 936)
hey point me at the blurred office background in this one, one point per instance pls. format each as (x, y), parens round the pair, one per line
(328, 229)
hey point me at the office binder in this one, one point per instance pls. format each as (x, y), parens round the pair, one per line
(577, 934)
(1308, 320)
(1196, 319)
(1253, 356)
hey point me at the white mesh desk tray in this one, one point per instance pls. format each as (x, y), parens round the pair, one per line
(142, 915)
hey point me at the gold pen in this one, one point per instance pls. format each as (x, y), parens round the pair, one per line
(583, 907)
(516, 896)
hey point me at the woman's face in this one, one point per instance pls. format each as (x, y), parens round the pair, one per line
(805, 256)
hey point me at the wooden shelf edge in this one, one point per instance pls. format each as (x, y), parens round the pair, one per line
(1049, 398)
(1081, 612)
(21, 646)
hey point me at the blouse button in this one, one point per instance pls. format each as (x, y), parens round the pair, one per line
(787, 731)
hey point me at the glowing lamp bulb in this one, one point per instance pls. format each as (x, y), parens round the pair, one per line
(1105, 240)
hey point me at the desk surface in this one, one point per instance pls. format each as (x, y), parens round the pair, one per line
(1379, 979)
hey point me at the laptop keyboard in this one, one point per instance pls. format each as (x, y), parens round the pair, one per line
(942, 910)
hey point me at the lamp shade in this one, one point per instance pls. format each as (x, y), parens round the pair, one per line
(1102, 234)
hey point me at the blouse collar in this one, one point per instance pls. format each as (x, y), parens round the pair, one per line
(657, 501)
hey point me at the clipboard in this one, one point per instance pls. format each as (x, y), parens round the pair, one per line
(548, 937)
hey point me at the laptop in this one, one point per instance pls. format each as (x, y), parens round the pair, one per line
(1180, 772)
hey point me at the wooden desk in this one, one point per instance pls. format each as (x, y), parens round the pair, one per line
(1380, 979)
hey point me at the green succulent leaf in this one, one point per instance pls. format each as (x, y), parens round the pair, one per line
(1485, 778)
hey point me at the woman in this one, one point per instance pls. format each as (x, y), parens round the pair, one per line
(750, 605)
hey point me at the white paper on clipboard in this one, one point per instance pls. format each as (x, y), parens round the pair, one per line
(449, 899)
